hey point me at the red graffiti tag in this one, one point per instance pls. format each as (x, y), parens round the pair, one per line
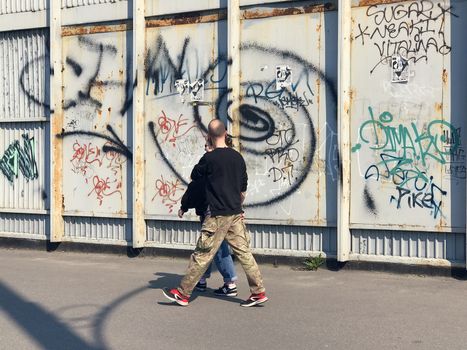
(103, 189)
(173, 129)
(84, 155)
(170, 192)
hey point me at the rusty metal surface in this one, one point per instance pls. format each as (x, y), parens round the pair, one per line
(192, 18)
(361, 3)
(96, 29)
(95, 137)
(263, 12)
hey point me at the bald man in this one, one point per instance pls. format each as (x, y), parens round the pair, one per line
(224, 171)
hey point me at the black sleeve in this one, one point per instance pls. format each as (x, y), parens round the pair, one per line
(199, 171)
(185, 202)
(244, 176)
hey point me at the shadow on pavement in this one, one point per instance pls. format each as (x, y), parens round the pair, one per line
(44, 327)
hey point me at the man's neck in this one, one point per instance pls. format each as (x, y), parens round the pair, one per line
(220, 143)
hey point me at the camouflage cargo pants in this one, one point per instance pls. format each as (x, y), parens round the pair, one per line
(213, 232)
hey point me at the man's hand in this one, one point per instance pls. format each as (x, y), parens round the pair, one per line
(242, 196)
(180, 213)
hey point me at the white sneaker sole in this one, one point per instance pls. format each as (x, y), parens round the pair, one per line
(256, 302)
(168, 296)
(226, 295)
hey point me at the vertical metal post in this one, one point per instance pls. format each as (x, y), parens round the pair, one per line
(139, 225)
(57, 225)
(343, 124)
(233, 27)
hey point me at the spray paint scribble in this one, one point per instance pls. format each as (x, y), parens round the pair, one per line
(18, 159)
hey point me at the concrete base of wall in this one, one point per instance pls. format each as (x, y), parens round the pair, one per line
(294, 262)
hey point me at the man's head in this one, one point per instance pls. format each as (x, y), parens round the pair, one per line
(216, 130)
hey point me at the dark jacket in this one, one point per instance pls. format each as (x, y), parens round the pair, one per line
(195, 197)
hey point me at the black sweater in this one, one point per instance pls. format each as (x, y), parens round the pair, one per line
(224, 171)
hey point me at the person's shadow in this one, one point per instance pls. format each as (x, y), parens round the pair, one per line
(169, 280)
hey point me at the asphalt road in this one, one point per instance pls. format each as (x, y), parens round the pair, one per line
(86, 301)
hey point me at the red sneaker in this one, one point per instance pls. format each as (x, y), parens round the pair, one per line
(176, 296)
(255, 299)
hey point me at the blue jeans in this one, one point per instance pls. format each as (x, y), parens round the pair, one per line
(224, 264)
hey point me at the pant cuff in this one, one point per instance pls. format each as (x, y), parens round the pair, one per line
(233, 279)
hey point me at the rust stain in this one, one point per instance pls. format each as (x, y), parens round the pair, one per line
(254, 14)
(445, 76)
(192, 18)
(318, 87)
(439, 107)
(376, 2)
(63, 203)
(346, 108)
(83, 30)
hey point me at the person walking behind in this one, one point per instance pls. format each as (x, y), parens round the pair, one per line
(224, 171)
(195, 197)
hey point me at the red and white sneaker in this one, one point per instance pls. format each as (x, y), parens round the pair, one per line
(176, 296)
(255, 299)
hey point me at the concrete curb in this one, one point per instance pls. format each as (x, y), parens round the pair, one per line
(294, 262)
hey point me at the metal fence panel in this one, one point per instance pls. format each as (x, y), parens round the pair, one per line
(18, 6)
(24, 166)
(407, 126)
(174, 140)
(17, 224)
(291, 152)
(23, 66)
(265, 239)
(97, 230)
(97, 97)
(408, 147)
(288, 123)
(78, 3)
(409, 244)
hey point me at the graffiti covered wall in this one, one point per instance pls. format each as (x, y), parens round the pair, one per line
(407, 126)
(408, 149)
(97, 97)
(288, 124)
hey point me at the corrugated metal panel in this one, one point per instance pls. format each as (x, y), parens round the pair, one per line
(18, 6)
(23, 171)
(263, 237)
(97, 228)
(23, 224)
(78, 3)
(411, 244)
(23, 64)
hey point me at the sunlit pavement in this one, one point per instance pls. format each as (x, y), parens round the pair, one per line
(88, 301)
